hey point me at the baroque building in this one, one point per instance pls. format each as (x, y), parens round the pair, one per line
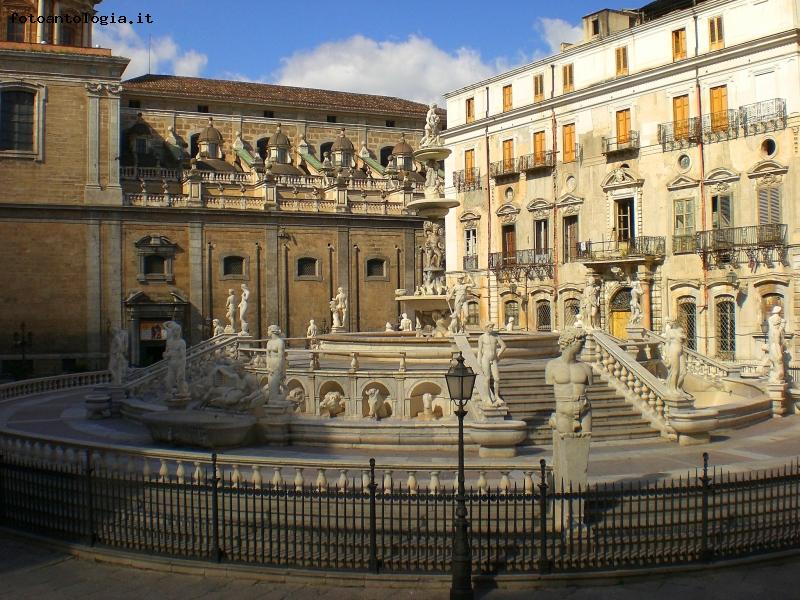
(663, 149)
(128, 203)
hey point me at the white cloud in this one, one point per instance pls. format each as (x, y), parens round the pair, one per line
(555, 31)
(165, 55)
(414, 68)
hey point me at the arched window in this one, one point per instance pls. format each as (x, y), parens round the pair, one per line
(687, 319)
(155, 265)
(323, 148)
(543, 316)
(512, 310)
(261, 146)
(17, 120)
(726, 328)
(473, 314)
(386, 151)
(572, 307)
(376, 267)
(233, 265)
(194, 146)
(307, 267)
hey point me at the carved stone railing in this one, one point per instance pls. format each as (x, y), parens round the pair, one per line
(700, 364)
(57, 383)
(149, 173)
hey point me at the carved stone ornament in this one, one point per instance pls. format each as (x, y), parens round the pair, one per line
(567, 211)
(507, 214)
(770, 179)
(722, 187)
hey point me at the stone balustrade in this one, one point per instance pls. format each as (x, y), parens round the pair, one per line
(57, 383)
(700, 364)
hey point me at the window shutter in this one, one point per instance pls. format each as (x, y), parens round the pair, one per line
(775, 204)
(725, 211)
(763, 205)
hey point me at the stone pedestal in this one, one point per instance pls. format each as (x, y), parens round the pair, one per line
(178, 401)
(498, 438)
(778, 395)
(570, 472)
(694, 426)
(98, 405)
(273, 425)
(338, 329)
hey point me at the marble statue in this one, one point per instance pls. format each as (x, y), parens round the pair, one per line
(405, 323)
(434, 245)
(388, 327)
(217, 327)
(510, 325)
(578, 323)
(175, 355)
(570, 379)
(118, 355)
(490, 349)
(459, 293)
(333, 404)
(312, 330)
(379, 407)
(418, 328)
(230, 312)
(434, 186)
(590, 304)
(674, 358)
(276, 367)
(636, 304)
(297, 398)
(230, 386)
(776, 346)
(339, 308)
(433, 125)
(243, 324)
(441, 327)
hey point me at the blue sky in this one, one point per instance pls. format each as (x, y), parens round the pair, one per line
(413, 49)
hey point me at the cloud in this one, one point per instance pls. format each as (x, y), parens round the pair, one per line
(414, 68)
(165, 55)
(555, 31)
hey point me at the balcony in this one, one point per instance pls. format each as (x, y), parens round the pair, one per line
(684, 244)
(675, 135)
(571, 155)
(467, 180)
(503, 168)
(470, 262)
(537, 161)
(621, 144)
(642, 247)
(720, 126)
(533, 264)
(763, 117)
(752, 245)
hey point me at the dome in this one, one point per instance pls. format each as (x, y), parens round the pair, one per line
(210, 134)
(278, 139)
(402, 148)
(342, 144)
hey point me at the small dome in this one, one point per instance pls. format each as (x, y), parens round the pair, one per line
(279, 139)
(210, 134)
(342, 144)
(402, 148)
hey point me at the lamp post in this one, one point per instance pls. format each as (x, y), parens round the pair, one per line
(460, 382)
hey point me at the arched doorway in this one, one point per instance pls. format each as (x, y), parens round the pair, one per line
(620, 314)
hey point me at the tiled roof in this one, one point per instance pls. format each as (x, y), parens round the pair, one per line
(268, 94)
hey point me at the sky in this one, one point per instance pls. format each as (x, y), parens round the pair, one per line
(412, 49)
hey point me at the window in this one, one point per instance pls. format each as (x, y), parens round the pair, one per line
(680, 114)
(687, 319)
(538, 87)
(623, 126)
(233, 266)
(683, 231)
(134, 104)
(390, 123)
(470, 109)
(567, 78)
(507, 98)
(384, 155)
(572, 307)
(541, 236)
(15, 31)
(625, 222)
(595, 26)
(376, 267)
(679, 44)
(508, 156)
(569, 142)
(17, 120)
(543, 320)
(769, 205)
(716, 37)
(202, 108)
(261, 147)
(721, 215)
(307, 267)
(570, 237)
(473, 314)
(325, 149)
(538, 147)
(469, 166)
(470, 242)
(331, 118)
(726, 328)
(269, 114)
(156, 255)
(155, 265)
(509, 235)
(512, 311)
(719, 108)
(622, 60)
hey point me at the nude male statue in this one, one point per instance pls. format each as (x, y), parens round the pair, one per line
(490, 349)
(570, 379)
(460, 294)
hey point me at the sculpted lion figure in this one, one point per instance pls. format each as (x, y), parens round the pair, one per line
(332, 404)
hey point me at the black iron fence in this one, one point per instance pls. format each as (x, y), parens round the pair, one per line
(770, 234)
(639, 246)
(679, 134)
(622, 143)
(371, 525)
(537, 160)
(467, 180)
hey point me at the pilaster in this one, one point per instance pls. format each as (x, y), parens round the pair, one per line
(196, 292)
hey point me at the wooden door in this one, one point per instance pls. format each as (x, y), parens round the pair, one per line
(509, 244)
(570, 237)
(508, 156)
(680, 116)
(620, 314)
(623, 126)
(538, 147)
(719, 108)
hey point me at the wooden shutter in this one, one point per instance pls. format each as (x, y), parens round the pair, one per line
(623, 126)
(538, 147)
(469, 165)
(507, 98)
(470, 110)
(719, 108)
(622, 60)
(679, 44)
(567, 77)
(569, 142)
(680, 115)
(769, 205)
(715, 34)
(538, 88)
(508, 155)
(721, 207)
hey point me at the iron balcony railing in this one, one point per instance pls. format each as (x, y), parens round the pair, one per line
(467, 180)
(684, 244)
(641, 246)
(570, 155)
(626, 143)
(507, 166)
(720, 126)
(763, 117)
(679, 134)
(471, 262)
(537, 160)
(753, 236)
(499, 260)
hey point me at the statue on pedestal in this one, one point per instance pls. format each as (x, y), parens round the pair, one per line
(590, 304)
(217, 327)
(230, 386)
(230, 312)
(510, 325)
(636, 305)
(490, 349)
(333, 404)
(339, 309)
(118, 355)
(243, 324)
(276, 367)
(405, 323)
(175, 355)
(569, 379)
(433, 125)
(379, 407)
(673, 357)
(459, 293)
(776, 346)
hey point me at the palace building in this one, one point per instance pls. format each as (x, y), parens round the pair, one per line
(128, 203)
(661, 148)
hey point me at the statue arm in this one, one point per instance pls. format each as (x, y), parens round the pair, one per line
(501, 347)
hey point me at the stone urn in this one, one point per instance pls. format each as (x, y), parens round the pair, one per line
(694, 426)
(498, 439)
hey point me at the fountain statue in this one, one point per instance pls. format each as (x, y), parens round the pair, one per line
(459, 293)
(590, 304)
(510, 325)
(243, 324)
(230, 312)
(379, 407)
(490, 349)
(230, 386)
(339, 310)
(118, 356)
(776, 346)
(636, 304)
(217, 327)
(332, 404)
(405, 323)
(276, 367)
(674, 358)
(177, 390)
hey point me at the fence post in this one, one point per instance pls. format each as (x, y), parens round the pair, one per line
(544, 562)
(705, 551)
(374, 567)
(216, 553)
(2, 489)
(90, 537)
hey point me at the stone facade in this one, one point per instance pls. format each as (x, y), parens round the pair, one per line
(633, 155)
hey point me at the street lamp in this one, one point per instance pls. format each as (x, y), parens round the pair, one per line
(460, 381)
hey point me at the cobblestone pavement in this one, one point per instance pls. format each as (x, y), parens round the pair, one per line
(28, 570)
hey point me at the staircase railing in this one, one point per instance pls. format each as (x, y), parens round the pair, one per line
(701, 365)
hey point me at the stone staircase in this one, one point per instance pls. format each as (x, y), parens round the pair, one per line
(530, 399)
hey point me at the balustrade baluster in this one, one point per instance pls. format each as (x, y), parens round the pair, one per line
(180, 472)
(411, 483)
(163, 472)
(527, 480)
(505, 484)
(387, 481)
(433, 486)
(342, 483)
(199, 475)
(256, 477)
(298, 479)
(482, 483)
(236, 477)
(277, 477)
(321, 483)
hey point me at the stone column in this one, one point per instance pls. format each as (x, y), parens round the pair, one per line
(40, 26)
(113, 262)
(57, 26)
(646, 277)
(94, 321)
(113, 189)
(93, 142)
(271, 263)
(343, 274)
(196, 300)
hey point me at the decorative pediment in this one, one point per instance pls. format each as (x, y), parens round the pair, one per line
(539, 207)
(682, 182)
(620, 177)
(155, 241)
(569, 204)
(722, 175)
(771, 280)
(468, 216)
(565, 288)
(684, 283)
(507, 213)
(767, 168)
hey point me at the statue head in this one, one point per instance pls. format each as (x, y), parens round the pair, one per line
(340, 290)
(432, 106)
(311, 322)
(405, 315)
(489, 327)
(273, 330)
(244, 286)
(776, 310)
(230, 291)
(571, 340)
(215, 322)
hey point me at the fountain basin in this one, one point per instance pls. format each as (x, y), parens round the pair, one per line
(695, 426)
(199, 428)
(498, 439)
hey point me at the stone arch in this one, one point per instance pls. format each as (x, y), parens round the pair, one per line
(619, 311)
(384, 390)
(330, 386)
(296, 384)
(416, 405)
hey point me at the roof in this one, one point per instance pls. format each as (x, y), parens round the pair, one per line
(269, 94)
(210, 134)
(342, 143)
(402, 148)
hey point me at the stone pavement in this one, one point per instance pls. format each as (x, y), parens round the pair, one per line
(29, 570)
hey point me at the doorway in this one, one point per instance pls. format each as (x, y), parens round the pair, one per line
(620, 314)
(509, 245)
